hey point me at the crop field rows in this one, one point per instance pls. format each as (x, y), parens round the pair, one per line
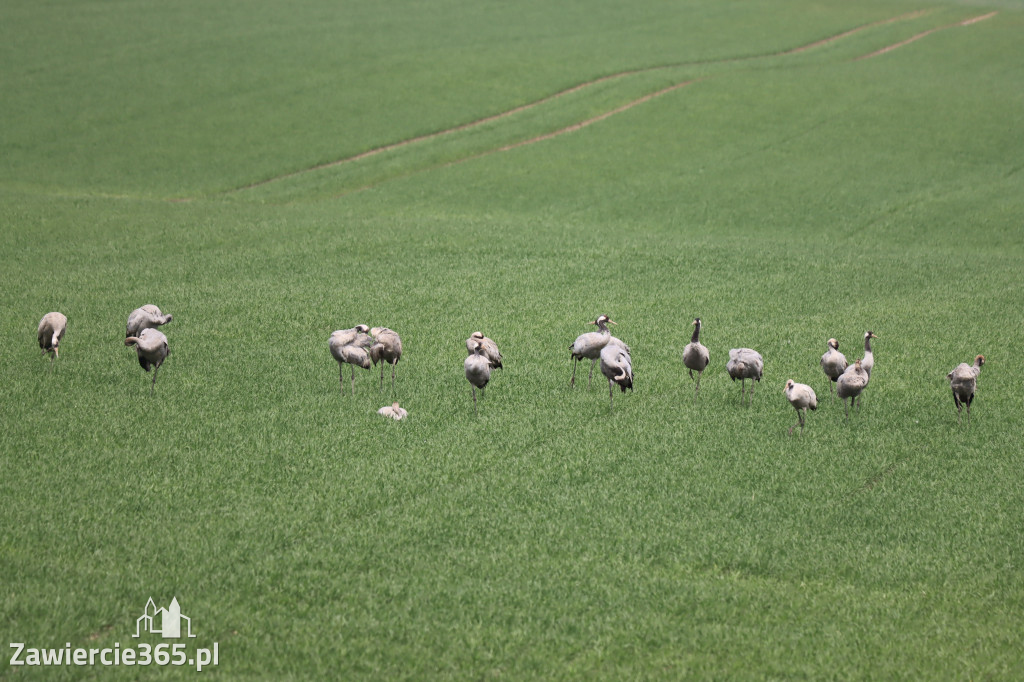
(615, 77)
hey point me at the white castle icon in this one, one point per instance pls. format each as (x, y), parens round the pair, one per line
(169, 621)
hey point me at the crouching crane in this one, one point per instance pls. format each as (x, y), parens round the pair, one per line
(151, 347)
(478, 371)
(744, 364)
(146, 317)
(490, 351)
(617, 366)
(50, 332)
(349, 346)
(964, 382)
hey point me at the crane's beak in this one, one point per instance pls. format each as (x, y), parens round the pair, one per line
(611, 321)
(56, 352)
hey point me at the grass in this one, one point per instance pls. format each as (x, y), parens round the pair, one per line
(782, 198)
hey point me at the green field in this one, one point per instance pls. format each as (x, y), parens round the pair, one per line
(269, 172)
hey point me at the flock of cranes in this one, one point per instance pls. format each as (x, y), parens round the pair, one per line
(362, 347)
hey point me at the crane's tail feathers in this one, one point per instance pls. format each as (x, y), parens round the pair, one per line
(145, 363)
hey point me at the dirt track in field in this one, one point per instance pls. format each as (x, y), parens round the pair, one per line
(583, 124)
(903, 17)
(911, 39)
(581, 86)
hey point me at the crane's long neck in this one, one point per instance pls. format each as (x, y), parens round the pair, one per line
(602, 328)
(696, 333)
(867, 344)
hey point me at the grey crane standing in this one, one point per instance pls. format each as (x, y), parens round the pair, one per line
(868, 361)
(745, 363)
(490, 351)
(50, 332)
(151, 347)
(387, 347)
(349, 346)
(478, 371)
(964, 382)
(833, 364)
(851, 384)
(695, 355)
(617, 367)
(589, 346)
(618, 343)
(802, 398)
(146, 317)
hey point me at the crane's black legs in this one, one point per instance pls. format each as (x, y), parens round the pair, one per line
(801, 416)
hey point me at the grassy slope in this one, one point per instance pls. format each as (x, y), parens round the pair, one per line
(783, 200)
(192, 97)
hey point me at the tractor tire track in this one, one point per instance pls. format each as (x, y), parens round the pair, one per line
(911, 39)
(563, 93)
(540, 138)
(590, 121)
(430, 136)
(903, 17)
